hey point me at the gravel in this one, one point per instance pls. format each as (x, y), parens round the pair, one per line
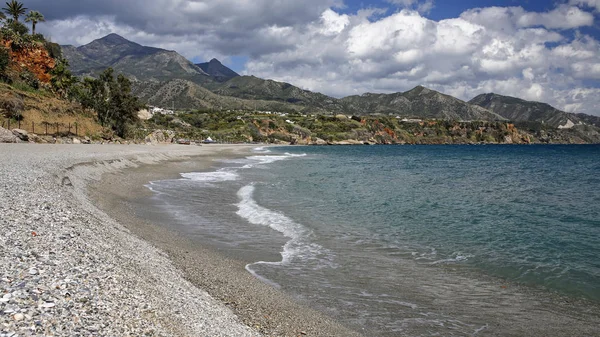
(68, 269)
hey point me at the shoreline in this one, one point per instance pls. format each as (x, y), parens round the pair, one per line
(77, 258)
(226, 279)
(68, 268)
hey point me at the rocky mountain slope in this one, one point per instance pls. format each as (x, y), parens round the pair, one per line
(520, 110)
(254, 88)
(217, 70)
(137, 62)
(182, 94)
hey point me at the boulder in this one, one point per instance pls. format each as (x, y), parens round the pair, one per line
(76, 141)
(6, 136)
(33, 138)
(160, 136)
(319, 141)
(144, 114)
(22, 134)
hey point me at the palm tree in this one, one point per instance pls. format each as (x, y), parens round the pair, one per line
(15, 9)
(34, 17)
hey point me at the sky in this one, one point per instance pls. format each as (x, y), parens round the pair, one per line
(537, 50)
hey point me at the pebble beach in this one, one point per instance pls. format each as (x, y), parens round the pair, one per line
(70, 265)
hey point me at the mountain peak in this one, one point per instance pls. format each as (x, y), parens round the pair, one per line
(418, 90)
(217, 70)
(114, 39)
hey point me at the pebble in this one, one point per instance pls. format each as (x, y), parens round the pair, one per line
(68, 269)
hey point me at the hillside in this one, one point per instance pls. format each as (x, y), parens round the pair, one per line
(419, 102)
(254, 88)
(520, 110)
(45, 115)
(182, 94)
(250, 126)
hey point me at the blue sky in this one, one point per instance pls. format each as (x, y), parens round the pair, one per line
(545, 51)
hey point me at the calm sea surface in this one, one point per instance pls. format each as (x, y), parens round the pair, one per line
(407, 240)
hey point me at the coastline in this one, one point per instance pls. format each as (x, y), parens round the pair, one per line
(68, 268)
(258, 305)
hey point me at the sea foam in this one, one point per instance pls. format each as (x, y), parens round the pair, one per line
(211, 177)
(298, 247)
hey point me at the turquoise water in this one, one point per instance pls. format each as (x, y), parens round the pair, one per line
(415, 240)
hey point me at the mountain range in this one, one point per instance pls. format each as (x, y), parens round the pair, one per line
(165, 78)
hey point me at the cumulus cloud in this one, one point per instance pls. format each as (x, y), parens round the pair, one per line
(587, 3)
(312, 44)
(505, 50)
(511, 18)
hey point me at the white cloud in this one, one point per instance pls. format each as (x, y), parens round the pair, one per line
(563, 17)
(587, 3)
(505, 50)
(509, 19)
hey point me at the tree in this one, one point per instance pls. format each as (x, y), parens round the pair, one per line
(15, 9)
(16, 26)
(62, 80)
(34, 17)
(112, 100)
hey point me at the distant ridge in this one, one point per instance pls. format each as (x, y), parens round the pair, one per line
(520, 110)
(419, 102)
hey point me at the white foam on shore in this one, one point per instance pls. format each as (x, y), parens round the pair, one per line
(266, 159)
(211, 177)
(298, 247)
(261, 149)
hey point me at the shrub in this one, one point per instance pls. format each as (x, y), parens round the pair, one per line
(4, 60)
(13, 106)
(30, 79)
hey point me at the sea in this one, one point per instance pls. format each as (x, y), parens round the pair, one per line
(452, 240)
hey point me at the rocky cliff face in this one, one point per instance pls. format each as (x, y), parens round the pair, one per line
(35, 60)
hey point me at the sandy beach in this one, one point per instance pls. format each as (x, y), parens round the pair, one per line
(75, 260)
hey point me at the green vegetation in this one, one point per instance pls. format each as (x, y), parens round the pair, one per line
(112, 100)
(34, 17)
(14, 9)
(243, 126)
(28, 70)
